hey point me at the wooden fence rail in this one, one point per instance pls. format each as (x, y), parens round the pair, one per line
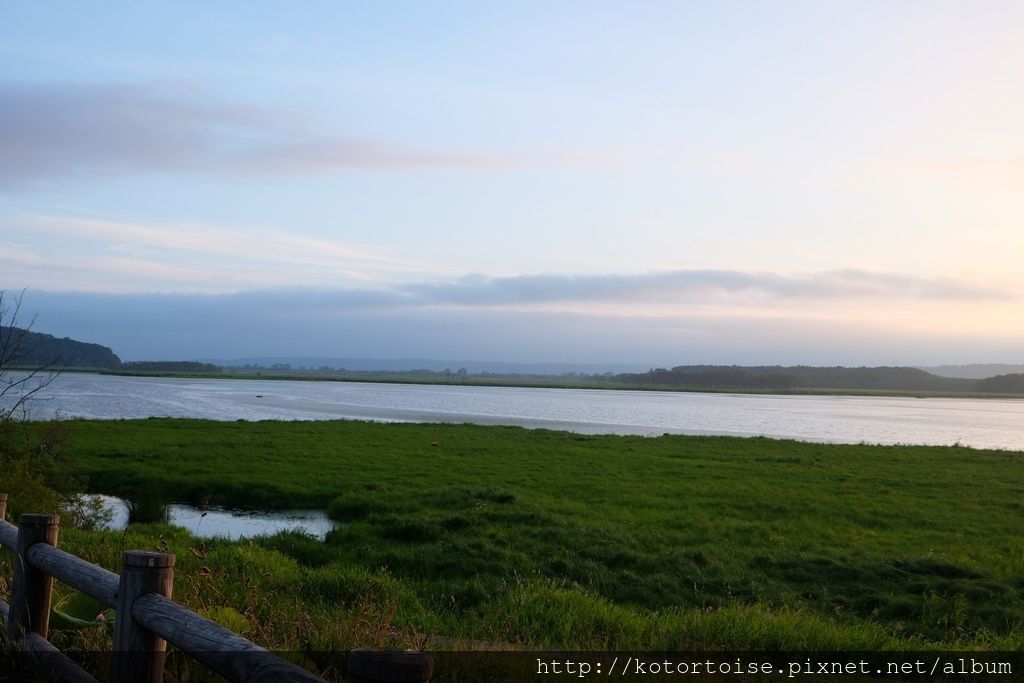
(147, 617)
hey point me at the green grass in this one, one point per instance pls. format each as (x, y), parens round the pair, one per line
(562, 540)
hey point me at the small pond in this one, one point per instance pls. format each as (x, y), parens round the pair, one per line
(225, 523)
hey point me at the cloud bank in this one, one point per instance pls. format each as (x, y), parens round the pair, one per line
(850, 317)
(52, 130)
(326, 324)
(698, 286)
(94, 254)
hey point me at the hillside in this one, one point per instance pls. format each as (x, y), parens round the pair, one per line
(36, 349)
(975, 370)
(804, 377)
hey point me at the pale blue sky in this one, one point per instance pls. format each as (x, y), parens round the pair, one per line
(650, 182)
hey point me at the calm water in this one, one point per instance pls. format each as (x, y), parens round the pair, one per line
(223, 523)
(981, 423)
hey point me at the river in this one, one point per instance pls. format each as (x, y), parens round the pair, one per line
(980, 423)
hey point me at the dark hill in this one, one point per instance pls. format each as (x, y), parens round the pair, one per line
(806, 377)
(36, 349)
(1003, 384)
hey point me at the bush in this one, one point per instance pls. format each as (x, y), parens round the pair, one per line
(36, 474)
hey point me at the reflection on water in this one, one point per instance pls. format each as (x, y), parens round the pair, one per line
(982, 423)
(232, 524)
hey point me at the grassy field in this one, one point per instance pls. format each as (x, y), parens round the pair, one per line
(558, 540)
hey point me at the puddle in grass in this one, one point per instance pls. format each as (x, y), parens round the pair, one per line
(224, 523)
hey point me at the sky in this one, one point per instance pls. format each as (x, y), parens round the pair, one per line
(657, 183)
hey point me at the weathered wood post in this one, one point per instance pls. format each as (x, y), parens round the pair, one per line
(31, 589)
(139, 654)
(3, 506)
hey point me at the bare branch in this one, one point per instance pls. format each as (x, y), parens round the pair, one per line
(26, 394)
(10, 343)
(11, 338)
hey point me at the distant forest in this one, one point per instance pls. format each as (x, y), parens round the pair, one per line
(36, 350)
(778, 378)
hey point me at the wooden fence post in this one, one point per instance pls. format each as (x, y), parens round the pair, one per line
(31, 589)
(3, 506)
(138, 653)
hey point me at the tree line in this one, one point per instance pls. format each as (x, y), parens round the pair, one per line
(37, 349)
(783, 378)
(40, 350)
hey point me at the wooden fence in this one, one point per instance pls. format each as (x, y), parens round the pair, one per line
(147, 618)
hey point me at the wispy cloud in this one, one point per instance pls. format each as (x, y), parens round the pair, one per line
(308, 154)
(110, 255)
(57, 130)
(93, 254)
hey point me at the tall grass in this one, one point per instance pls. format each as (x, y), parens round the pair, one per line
(560, 540)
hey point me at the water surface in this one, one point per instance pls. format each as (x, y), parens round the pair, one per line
(224, 523)
(983, 423)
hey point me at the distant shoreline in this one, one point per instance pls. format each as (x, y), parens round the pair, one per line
(533, 382)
